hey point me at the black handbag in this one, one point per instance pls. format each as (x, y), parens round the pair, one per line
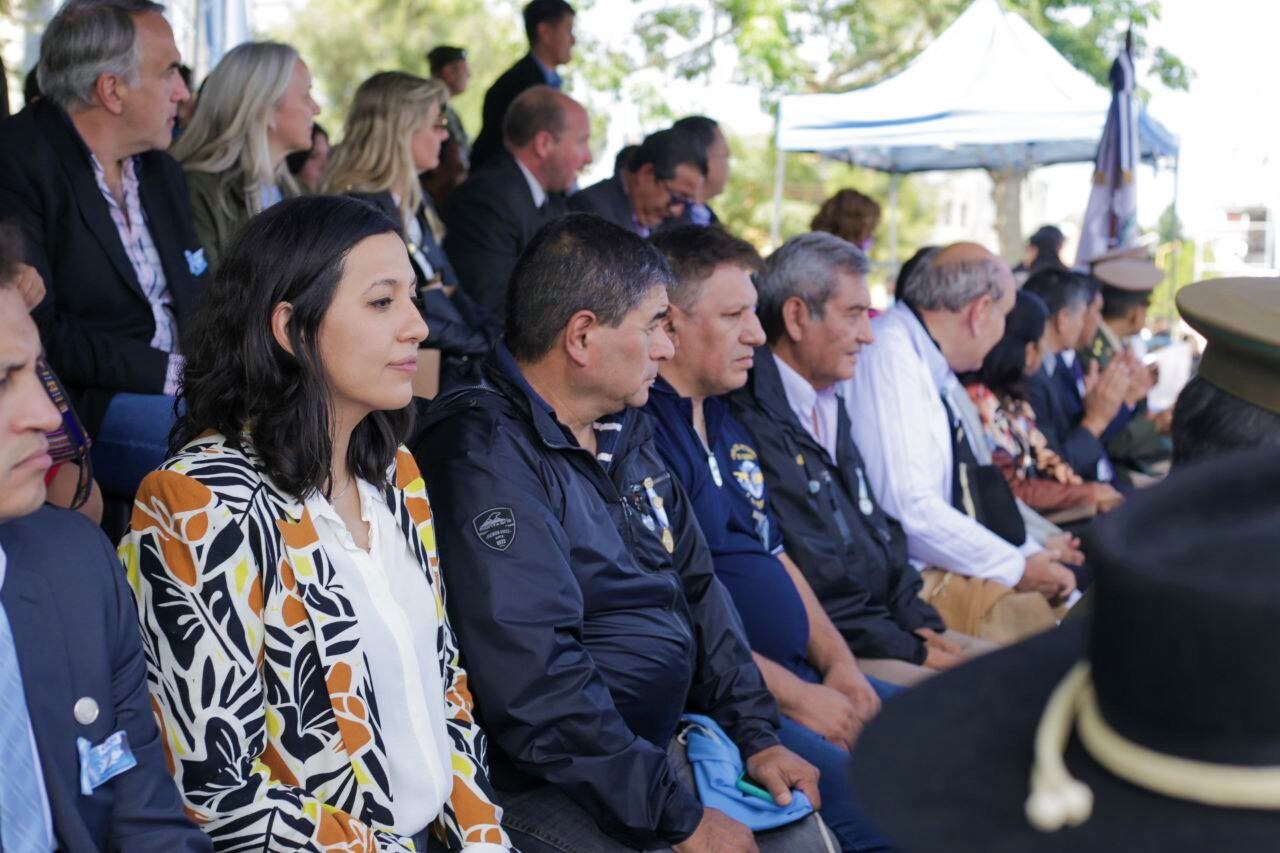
(981, 491)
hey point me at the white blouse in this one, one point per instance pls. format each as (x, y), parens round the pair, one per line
(396, 610)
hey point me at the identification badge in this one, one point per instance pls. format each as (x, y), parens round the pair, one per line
(102, 763)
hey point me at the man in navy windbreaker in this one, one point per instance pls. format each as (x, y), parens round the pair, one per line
(587, 610)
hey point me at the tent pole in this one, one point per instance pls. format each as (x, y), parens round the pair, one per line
(894, 179)
(779, 175)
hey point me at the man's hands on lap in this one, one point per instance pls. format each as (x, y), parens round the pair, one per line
(850, 682)
(1045, 575)
(778, 770)
(826, 711)
(940, 653)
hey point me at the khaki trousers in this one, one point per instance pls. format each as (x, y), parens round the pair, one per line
(986, 609)
(905, 674)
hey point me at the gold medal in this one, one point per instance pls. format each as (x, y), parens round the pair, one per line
(668, 541)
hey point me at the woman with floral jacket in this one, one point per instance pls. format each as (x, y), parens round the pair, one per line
(301, 663)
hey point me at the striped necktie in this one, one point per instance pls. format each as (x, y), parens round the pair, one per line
(21, 812)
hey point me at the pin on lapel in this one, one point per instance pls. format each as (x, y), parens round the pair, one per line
(85, 710)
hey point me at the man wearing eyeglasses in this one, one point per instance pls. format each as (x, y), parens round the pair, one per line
(664, 177)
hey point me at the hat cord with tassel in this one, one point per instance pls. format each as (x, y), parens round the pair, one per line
(1058, 799)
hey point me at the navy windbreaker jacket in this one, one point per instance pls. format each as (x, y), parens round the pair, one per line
(584, 639)
(852, 553)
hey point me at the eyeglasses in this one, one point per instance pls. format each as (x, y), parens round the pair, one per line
(677, 199)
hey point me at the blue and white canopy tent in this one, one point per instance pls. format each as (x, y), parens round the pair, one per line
(989, 93)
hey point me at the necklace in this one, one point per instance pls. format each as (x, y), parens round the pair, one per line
(339, 495)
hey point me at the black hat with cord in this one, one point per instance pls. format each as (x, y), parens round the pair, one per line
(1153, 725)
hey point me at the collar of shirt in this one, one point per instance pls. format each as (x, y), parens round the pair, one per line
(535, 189)
(944, 378)
(4, 567)
(608, 428)
(1051, 365)
(320, 508)
(818, 411)
(1068, 357)
(549, 74)
(699, 214)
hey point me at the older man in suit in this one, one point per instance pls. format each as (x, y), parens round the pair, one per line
(108, 223)
(549, 26)
(494, 214)
(83, 764)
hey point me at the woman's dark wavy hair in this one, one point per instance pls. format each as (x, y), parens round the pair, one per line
(238, 379)
(1004, 369)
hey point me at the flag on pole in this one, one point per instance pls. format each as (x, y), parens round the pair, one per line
(1111, 219)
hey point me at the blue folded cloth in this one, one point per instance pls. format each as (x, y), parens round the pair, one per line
(717, 766)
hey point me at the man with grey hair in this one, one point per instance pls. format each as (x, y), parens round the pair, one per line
(814, 305)
(905, 403)
(494, 213)
(108, 224)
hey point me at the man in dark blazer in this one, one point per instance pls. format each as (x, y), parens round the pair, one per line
(662, 178)
(83, 764)
(494, 214)
(108, 226)
(549, 26)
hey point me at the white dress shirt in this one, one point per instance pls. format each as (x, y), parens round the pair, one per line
(535, 189)
(35, 753)
(900, 425)
(818, 411)
(396, 610)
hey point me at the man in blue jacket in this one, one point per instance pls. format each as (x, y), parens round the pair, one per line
(806, 663)
(581, 589)
(83, 768)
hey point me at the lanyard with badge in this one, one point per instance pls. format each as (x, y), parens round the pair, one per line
(659, 516)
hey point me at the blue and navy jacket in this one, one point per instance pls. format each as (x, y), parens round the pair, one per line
(852, 553)
(726, 488)
(585, 603)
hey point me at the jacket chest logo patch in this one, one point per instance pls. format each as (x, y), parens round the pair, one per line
(496, 527)
(747, 473)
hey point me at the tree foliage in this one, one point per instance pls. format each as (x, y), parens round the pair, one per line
(861, 42)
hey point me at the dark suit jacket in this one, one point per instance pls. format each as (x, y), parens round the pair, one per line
(95, 321)
(525, 74)
(606, 199)
(490, 219)
(1058, 417)
(76, 633)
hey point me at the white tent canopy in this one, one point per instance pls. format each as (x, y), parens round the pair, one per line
(989, 93)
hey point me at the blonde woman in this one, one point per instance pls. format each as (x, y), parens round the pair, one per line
(254, 110)
(393, 134)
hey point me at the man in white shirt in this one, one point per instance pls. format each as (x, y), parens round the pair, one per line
(904, 402)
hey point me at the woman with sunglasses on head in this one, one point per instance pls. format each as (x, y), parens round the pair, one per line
(393, 134)
(284, 559)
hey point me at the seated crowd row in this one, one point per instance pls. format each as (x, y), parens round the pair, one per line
(653, 482)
